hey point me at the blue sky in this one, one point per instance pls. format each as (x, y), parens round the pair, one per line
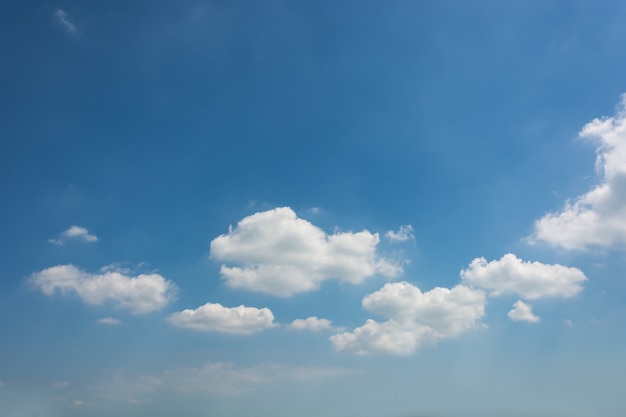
(381, 209)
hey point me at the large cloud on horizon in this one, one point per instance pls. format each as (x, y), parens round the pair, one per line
(215, 317)
(598, 217)
(142, 294)
(281, 254)
(530, 280)
(415, 318)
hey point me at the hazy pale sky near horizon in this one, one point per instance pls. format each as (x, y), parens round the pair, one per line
(337, 208)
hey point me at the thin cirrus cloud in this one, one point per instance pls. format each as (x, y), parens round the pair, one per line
(402, 235)
(530, 280)
(217, 318)
(109, 321)
(415, 318)
(598, 217)
(312, 323)
(523, 312)
(63, 18)
(142, 294)
(281, 254)
(74, 233)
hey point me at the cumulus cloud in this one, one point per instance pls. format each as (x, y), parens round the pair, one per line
(598, 217)
(415, 318)
(141, 294)
(523, 312)
(311, 323)
(75, 233)
(217, 318)
(530, 280)
(63, 18)
(281, 254)
(402, 235)
(111, 321)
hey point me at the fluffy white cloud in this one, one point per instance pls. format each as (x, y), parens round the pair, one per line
(111, 321)
(523, 312)
(311, 323)
(141, 294)
(62, 17)
(215, 317)
(415, 318)
(281, 254)
(530, 280)
(597, 218)
(74, 233)
(402, 235)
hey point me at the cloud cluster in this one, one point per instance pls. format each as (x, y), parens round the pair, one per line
(523, 312)
(414, 318)
(598, 217)
(142, 294)
(76, 233)
(530, 280)
(215, 317)
(281, 254)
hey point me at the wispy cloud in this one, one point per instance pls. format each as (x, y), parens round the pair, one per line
(402, 235)
(62, 17)
(110, 321)
(76, 233)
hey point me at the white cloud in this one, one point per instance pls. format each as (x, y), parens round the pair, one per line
(415, 318)
(402, 235)
(141, 294)
(282, 255)
(74, 233)
(77, 403)
(530, 280)
(215, 317)
(61, 384)
(523, 312)
(311, 323)
(62, 17)
(568, 323)
(111, 321)
(597, 218)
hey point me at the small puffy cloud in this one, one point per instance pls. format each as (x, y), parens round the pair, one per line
(75, 233)
(523, 312)
(415, 318)
(402, 235)
(598, 217)
(311, 323)
(63, 18)
(109, 321)
(217, 318)
(141, 294)
(530, 280)
(281, 254)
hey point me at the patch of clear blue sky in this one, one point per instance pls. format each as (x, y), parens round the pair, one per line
(155, 125)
